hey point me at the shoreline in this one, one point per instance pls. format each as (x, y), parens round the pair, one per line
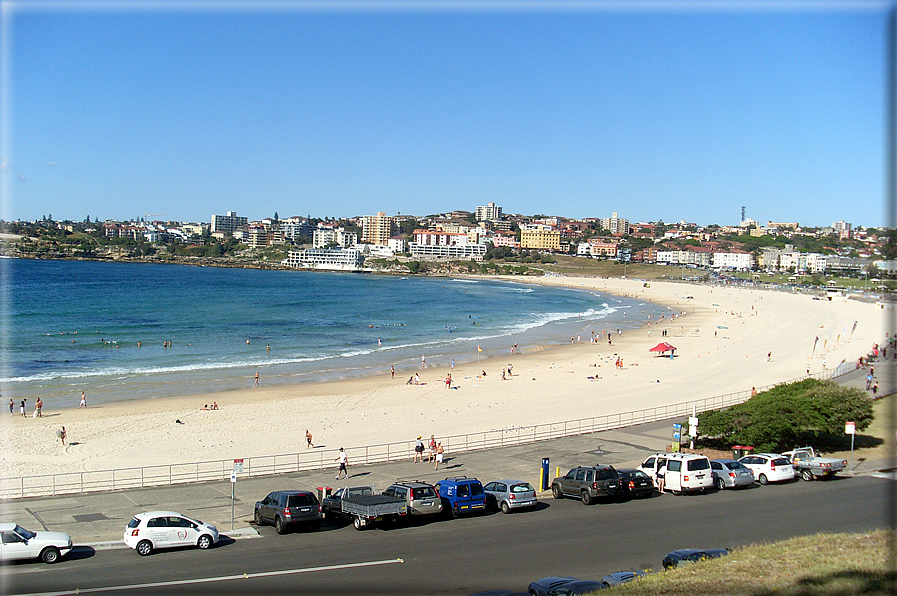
(723, 338)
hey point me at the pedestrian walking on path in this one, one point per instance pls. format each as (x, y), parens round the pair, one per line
(343, 460)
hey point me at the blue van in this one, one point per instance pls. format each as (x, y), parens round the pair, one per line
(461, 495)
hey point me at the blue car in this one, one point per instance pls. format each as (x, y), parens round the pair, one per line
(461, 495)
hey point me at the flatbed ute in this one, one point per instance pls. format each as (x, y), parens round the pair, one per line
(363, 505)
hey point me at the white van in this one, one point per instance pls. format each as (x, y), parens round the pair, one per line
(685, 472)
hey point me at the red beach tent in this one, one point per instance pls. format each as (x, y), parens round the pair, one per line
(662, 347)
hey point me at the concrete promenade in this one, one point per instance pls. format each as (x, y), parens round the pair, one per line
(99, 519)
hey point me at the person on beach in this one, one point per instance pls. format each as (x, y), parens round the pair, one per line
(308, 440)
(439, 455)
(418, 452)
(83, 403)
(12, 406)
(448, 381)
(268, 348)
(22, 407)
(423, 361)
(453, 364)
(60, 434)
(256, 378)
(510, 366)
(410, 380)
(214, 405)
(38, 406)
(343, 460)
(392, 372)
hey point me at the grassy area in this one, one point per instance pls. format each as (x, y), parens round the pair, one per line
(874, 443)
(818, 565)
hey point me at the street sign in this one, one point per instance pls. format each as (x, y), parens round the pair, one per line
(850, 428)
(233, 477)
(238, 466)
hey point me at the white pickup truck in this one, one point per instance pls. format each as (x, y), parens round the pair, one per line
(809, 466)
(18, 543)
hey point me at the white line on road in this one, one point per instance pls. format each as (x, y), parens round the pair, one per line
(202, 580)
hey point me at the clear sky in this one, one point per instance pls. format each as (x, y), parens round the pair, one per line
(655, 110)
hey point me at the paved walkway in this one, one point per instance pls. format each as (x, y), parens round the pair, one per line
(99, 519)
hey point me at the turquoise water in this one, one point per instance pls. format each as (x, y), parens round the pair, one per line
(70, 326)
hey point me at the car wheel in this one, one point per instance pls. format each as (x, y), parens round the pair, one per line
(279, 526)
(720, 483)
(358, 524)
(586, 498)
(204, 542)
(762, 479)
(807, 475)
(50, 555)
(144, 547)
(556, 492)
(505, 508)
(258, 517)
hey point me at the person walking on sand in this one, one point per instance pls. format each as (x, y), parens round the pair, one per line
(308, 440)
(439, 455)
(83, 403)
(60, 434)
(392, 372)
(38, 406)
(12, 406)
(22, 407)
(256, 378)
(343, 460)
(448, 381)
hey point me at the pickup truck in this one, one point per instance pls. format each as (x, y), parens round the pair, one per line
(363, 505)
(810, 466)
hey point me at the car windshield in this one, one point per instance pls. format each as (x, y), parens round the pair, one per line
(301, 500)
(134, 523)
(27, 535)
(422, 492)
(638, 474)
(735, 465)
(607, 475)
(698, 464)
(522, 488)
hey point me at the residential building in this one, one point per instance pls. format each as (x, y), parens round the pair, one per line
(615, 224)
(471, 252)
(377, 229)
(325, 235)
(488, 213)
(741, 261)
(843, 229)
(540, 239)
(440, 238)
(229, 223)
(336, 259)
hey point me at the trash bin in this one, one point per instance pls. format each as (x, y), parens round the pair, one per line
(739, 451)
(323, 491)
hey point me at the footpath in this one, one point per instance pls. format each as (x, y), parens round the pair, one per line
(99, 519)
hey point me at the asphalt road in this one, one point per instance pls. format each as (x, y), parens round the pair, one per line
(471, 554)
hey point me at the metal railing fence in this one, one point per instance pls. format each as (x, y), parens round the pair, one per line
(267, 465)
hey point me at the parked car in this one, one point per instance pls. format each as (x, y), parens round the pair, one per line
(587, 483)
(622, 577)
(578, 588)
(769, 467)
(287, 509)
(18, 543)
(166, 529)
(685, 556)
(809, 465)
(461, 495)
(684, 472)
(635, 483)
(509, 495)
(728, 473)
(540, 587)
(363, 506)
(420, 497)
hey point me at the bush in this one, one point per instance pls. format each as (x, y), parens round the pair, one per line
(789, 414)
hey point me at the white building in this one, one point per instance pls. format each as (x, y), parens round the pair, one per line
(490, 212)
(324, 236)
(335, 259)
(470, 252)
(229, 223)
(741, 261)
(615, 225)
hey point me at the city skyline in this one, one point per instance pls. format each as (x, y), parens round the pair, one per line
(662, 111)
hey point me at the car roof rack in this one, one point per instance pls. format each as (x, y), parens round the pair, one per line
(457, 478)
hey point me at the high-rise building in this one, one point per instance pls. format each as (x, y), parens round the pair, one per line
(842, 229)
(615, 225)
(377, 229)
(229, 223)
(490, 212)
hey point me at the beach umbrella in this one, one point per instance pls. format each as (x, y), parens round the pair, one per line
(662, 347)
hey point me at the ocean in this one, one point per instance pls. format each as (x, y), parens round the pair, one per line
(72, 326)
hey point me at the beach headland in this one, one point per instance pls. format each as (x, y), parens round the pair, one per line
(727, 339)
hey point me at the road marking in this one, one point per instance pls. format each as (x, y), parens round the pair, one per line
(244, 576)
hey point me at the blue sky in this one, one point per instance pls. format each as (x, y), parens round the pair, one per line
(655, 110)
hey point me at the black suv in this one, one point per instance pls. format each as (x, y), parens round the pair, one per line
(288, 508)
(587, 483)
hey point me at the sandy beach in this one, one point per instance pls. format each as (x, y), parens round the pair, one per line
(727, 340)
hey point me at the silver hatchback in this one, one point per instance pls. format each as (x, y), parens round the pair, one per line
(728, 473)
(508, 495)
(420, 497)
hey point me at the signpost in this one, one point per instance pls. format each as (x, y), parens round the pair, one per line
(692, 429)
(850, 428)
(238, 467)
(677, 436)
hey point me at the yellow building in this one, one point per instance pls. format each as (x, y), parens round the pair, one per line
(540, 239)
(377, 229)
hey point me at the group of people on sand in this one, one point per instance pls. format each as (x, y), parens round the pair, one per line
(434, 449)
(214, 406)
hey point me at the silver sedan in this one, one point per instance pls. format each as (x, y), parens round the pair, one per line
(728, 473)
(508, 495)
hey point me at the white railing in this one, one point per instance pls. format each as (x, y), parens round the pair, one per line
(266, 465)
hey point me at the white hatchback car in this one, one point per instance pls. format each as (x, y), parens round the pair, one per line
(769, 467)
(18, 543)
(167, 529)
